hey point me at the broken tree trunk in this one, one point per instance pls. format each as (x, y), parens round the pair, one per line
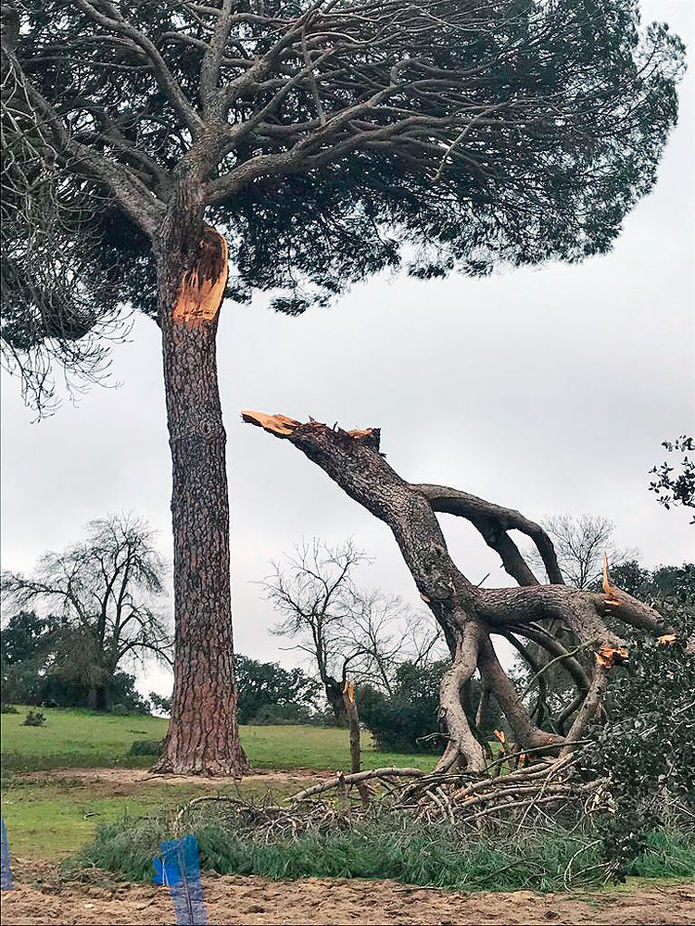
(203, 735)
(353, 719)
(469, 615)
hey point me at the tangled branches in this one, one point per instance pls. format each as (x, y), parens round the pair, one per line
(469, 616)
(521, 798)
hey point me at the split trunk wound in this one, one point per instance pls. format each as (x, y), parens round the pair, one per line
(202, 288)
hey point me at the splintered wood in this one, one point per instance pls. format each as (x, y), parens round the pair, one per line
(349, 691)
(610, 590)
(202, 288)
(609, 656)
(280, 425)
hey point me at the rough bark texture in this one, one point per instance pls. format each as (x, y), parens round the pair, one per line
(203, 734)
(468, 614)
(353, 719)
(353, 724)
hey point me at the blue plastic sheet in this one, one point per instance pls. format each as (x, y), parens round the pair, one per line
(6, 880)
(181, 871)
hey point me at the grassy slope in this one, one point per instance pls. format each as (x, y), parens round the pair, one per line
(50, 819)
(83, 739)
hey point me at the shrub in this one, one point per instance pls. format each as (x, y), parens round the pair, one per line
(265, 687)
(146, 748)
(159, 703)
(407, 721)
(289, 714)
(645, 751)
(34, 719)
(8, 709)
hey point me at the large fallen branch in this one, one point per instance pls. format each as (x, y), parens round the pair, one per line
(469, 615)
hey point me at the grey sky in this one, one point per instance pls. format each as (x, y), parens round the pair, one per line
(547, 390)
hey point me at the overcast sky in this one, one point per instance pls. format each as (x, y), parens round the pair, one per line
(546, 390)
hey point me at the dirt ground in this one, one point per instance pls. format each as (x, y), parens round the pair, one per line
(137, 776)
(39, 898)
(127, 781)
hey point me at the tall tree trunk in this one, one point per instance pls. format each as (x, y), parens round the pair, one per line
(96, 699)
(203, 733)
(334, 696)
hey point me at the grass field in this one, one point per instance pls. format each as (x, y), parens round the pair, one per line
(50, 818)
(84, 739)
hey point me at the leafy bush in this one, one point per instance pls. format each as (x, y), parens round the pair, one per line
(163, 705)
(281, 714)
(8, 709)
(31, 673)
(146, 748)
(645, 751)
(34, 719)
(265, 687)
(407, 720)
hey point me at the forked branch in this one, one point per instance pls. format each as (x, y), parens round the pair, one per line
(468, 614)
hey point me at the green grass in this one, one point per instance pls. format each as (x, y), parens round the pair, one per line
(49, 820)
(84, 739)
(75, 738)
(117, 824)
(435, 855)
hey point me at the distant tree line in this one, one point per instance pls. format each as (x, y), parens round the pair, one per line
(82, 615)
(41, 665)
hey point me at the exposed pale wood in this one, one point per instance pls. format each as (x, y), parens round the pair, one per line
(202, 287)
(275, 424)
(609, 656)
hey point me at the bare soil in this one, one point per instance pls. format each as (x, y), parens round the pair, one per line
(39, 898)
(129, 780)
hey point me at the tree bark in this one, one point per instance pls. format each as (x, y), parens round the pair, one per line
(334, 696)
(469, 615)
(96, 699)
(203, 733)
(354, 726)
(353, 719)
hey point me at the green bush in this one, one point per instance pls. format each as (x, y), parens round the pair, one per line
(146, 748)
(159, 703)
(407, 721)
(265, 689)
(8, 709)
(645, 751)
(291, 714)
(34, 719)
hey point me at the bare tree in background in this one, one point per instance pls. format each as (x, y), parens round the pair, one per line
(344, 630)
(108, 591)
(581, 542)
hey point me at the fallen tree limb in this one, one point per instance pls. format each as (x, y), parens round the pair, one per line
(357, 778)
(468, 614)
